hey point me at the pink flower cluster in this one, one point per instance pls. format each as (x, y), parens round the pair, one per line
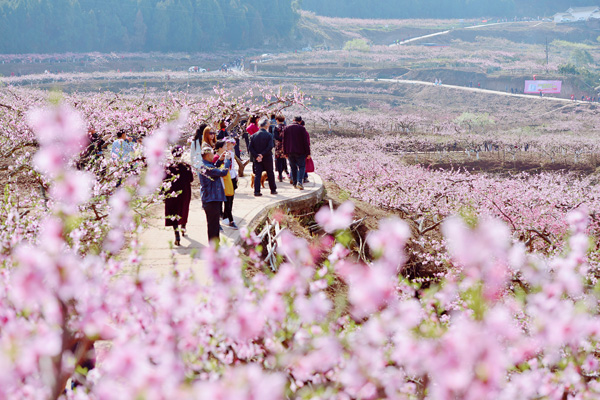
(505, 322)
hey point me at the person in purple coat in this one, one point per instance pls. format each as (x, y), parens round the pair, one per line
(296, 147)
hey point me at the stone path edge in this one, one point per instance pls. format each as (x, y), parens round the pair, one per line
(295, 203)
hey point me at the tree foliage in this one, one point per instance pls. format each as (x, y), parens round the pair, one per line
(357, 44)
(42, 26)
(581, 57)
(439, 8)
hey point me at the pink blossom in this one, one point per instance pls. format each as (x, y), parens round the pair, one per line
(223, 266)
(339, 219)
(338, 252)
(482, 251)
(274, 307)
(49, 160)
(243, 383)
(578, 219)
(370, 288)
(246, 323)
(389, 240)
(61, 126)
(313, 309)
(295, 249)
(290, 277)
(73, 189)
(324, 356)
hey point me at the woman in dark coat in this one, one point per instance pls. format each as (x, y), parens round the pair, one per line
(280, 160)
(177, 208)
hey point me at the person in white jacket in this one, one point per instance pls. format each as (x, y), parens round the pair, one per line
(196, 146)
(228, 205)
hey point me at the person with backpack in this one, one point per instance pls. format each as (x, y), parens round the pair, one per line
(222, 134)
(273, 124)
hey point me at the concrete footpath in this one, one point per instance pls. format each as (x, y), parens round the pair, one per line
(248, 211)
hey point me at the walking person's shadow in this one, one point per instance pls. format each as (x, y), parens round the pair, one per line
(191, 245)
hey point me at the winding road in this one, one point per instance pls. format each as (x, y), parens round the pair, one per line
(421, 83)
(452, 30)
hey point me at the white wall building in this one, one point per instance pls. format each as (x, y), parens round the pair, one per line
(563, 17)
(575, 14)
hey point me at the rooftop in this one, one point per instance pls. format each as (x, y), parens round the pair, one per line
(582, 9)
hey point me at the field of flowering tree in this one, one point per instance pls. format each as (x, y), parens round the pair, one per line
(511, 311)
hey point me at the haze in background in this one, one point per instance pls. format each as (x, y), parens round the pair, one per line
(54, 26)
(440, 8)
(46, 26)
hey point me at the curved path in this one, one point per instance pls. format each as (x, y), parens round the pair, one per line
(422, 83)
(248, 211)
(477, 90)
(452, 30)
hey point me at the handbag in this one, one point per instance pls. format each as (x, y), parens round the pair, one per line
(228, 185)
(310, 165)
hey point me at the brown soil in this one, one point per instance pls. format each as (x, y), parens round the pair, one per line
(23, 182)
(509, 167)
(157, 62)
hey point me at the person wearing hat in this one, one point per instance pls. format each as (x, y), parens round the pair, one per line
(296, 147)
(212, 191)
(179, 194)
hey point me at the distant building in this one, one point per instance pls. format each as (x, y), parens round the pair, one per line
(576, 14)
(563, 17)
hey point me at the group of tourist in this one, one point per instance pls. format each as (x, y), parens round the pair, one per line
(270, 145)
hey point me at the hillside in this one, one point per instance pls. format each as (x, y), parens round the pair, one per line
(49, 26)
(440, 8)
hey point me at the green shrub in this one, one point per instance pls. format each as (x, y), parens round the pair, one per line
(571, 45)
(568, 69)
(357, 44)
(581, 57)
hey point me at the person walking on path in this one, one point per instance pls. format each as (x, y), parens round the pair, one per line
(261, 150)
(122, 153)
(179, 195)
(212, 192)
(308, 163)
(296, 147)
(280, 160)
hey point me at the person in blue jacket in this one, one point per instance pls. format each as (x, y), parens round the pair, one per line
(211, 188)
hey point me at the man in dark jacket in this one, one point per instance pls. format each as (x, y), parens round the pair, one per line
(261, 149)
(296, 147)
